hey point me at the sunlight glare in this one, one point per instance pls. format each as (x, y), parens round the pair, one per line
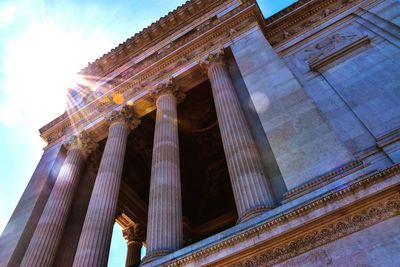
(40, 66)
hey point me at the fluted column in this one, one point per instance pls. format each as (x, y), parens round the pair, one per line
(134, 237)
(250, 187)
(42, 249)
(164, 224)
(94, 243)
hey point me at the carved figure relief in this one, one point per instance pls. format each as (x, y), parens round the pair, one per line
(277, 35)
(328, 45)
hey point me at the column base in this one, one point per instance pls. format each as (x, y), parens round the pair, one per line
(254, 212)
(154, 255)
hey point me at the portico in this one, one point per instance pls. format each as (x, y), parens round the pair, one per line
(213, 138)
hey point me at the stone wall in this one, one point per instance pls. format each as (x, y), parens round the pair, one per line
(358, 93)
(302, 141)
(374, 246)
(329, 97)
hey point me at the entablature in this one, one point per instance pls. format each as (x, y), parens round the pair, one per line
(301, 17)
(179, 60)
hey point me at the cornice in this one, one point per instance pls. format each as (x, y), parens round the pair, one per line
(152, 71)
(302, 210)
(135, 82)
(324, 233)
(330, 176)
(302, 17)
(172, 22)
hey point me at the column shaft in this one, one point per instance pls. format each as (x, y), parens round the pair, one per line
(164, 229)
(134, 237)
(250, 187)
(44, 243)
(133, 254)
(94, 243)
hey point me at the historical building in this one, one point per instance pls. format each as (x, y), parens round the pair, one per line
(217, 137)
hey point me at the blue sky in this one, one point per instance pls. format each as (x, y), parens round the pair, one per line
(43, 43)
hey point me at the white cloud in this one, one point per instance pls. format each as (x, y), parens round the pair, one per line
(39, 66)
(7, 12)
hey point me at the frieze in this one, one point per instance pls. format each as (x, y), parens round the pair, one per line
(333, 48)
(301, 211)
(278, 32)
(344, 226)
(239, 19)
(328, 45)
(174, 21)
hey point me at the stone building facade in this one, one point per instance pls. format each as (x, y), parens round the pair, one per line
(216, 137)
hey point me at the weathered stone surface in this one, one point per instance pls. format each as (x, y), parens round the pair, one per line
(302, 141)
(375, 246)
(326, 93)
(271, 168)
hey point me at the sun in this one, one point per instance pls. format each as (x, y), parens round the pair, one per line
(40, 66)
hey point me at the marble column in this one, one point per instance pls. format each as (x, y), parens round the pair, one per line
(134, 237)
(43, 247)
(164, 224)
(94, 243)
(251, 189)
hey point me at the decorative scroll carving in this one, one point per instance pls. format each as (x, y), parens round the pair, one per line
(126, 115)
(83, 141)
(168, 87)
(216, 57)
(134, 234)
(318, 237)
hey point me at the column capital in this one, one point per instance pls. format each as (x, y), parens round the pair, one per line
(126, 115)
(167, 87)
(217, 57)
(133, 234)
(83, 141)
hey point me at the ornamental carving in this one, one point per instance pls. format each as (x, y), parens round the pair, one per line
(133, 233)
(153, 69)
(168, 87)
(392, 207)
(83, 142)
(125, 115)
(213, 58)
(328, 45)
(318, 237)
(318, 12)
